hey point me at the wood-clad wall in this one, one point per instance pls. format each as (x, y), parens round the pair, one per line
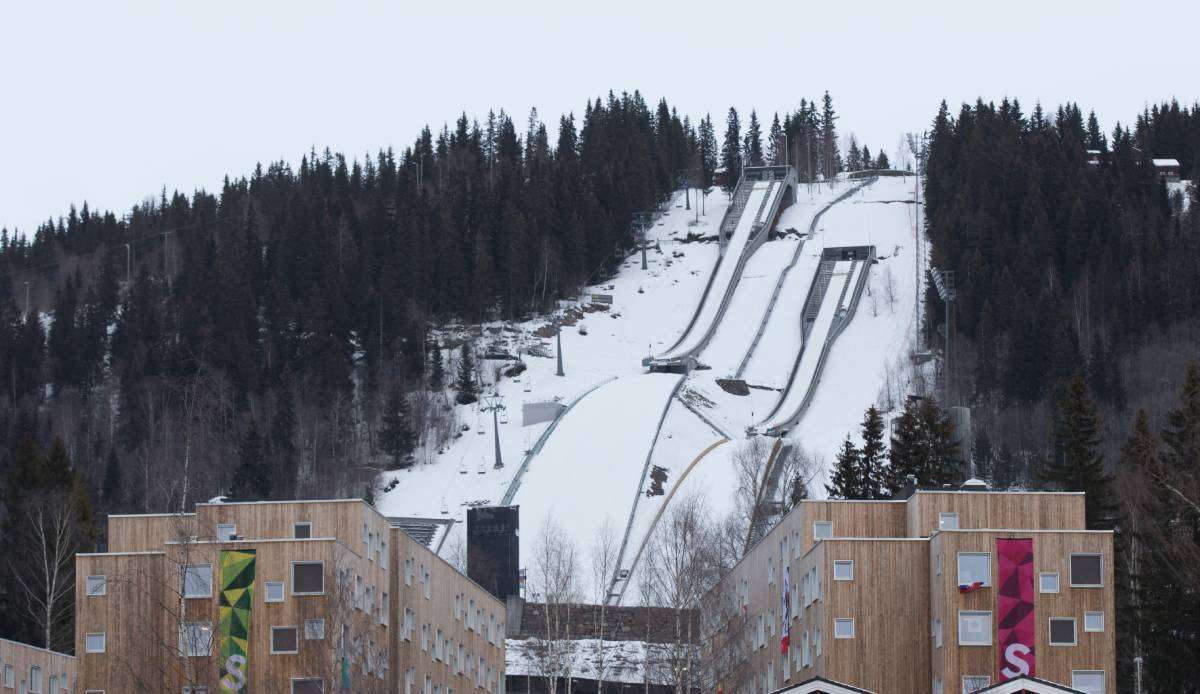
(889, 650)
(1051, 552)
(131, 614)
(148, 533)
(983, 511)
(852, 519)
(22, 657)
(450, 596)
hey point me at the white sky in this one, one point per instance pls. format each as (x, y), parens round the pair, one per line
(110, 101)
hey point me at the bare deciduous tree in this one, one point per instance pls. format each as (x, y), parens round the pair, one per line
(45, 569)
(556, 583)
(604, 555)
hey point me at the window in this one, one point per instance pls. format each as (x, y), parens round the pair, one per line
(273, 592)
(939, 564)
(10, 677)
(770, 571)
(197, 581)
(1087, 571)
(226, 531)
(308, 578)
(308, 685)
(843, 628)
(814, 584)
(822, 530)
(195, 639)
(195, 690)
(426, 583)
(947, 521)
(817, 642)
(410, 674)
(358, 592)
(366, 535)
(937, 633)
(409, 616)
(805, 658)
(1062, 631)
(284, 640)
(1093, 621)
(974, 628)
(54, 684)
(314, 630)
(843, 570)
(1088, 681)
(973, 683)
(35, 679)
(96, 586)
(408, 571)
(302, 531)
(93, 643)
(974, 567)
(937, 685)
(1048, 582)
(384, 608)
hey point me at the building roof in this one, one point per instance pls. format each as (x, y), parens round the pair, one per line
(820, 685)
(1166, 162)
(1025, 683)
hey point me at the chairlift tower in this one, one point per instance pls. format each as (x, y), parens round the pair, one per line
(558, 341)
(641, 222)
(495, 403)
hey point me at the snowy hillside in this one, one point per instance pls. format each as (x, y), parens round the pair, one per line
(593, 468)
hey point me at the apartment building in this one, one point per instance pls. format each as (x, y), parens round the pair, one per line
(25, 668)
(288, 597)
(945, 591)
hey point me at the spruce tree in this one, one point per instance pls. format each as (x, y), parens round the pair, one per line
(252, 479)
(436, 370)
(872, 455)
(731, 150)
(753, 149)
(775, 143)
(110, 490)
(1181, 436)
(846, 481)
(709, 154)
(464, 382)
(798, 491)
(1077, 464)
(922, 448)
(396, 436)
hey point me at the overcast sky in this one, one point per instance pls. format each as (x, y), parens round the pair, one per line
(110, 101)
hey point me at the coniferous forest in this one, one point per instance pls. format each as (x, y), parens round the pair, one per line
(299, 330)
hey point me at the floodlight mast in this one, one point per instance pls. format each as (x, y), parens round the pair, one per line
(943, 282)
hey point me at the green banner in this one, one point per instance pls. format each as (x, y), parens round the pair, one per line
(237, 595)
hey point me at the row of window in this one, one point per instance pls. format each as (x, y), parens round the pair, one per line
(486, 677)
(299, 685)
(1087, 681)
(1086, 571)
(975, 628)
(375, 546)
(441, 647)
(196, 581)
(55, 682)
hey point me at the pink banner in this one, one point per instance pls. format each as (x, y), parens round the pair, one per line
(1015, 621)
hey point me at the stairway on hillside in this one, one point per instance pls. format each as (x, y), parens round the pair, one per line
(812, 306)
(736, 208)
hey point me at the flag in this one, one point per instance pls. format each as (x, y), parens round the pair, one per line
(786, 611)
(970, 587)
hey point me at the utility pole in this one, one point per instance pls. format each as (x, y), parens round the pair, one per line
(495, 403)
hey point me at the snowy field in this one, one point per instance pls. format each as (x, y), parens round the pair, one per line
(591, 467)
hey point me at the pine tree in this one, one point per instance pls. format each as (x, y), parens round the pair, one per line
(396, 436)
(1078, 465)
(798, 491)
(922, 448)
(731, 152)
(846, 481)
(464, 382)
(753, 149)
(436, 370)
(252, 479)
(111, 491)
(872, 455)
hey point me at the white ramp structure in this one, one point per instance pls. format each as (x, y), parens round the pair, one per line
(760, 195)
(832, 301)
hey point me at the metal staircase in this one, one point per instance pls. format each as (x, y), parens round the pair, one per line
(737, 206)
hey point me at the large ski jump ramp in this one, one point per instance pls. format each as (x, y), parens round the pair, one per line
(590, 470)
(756, 205)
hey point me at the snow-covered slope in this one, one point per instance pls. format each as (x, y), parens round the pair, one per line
(594, 465)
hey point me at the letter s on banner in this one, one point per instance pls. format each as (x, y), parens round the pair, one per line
(1015, 655)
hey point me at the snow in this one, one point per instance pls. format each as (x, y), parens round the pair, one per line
(623, 660)
(591, 466)
(590, 470)
(875, 344)
(1166, 162)
(724, 275)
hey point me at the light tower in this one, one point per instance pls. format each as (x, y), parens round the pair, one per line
(943, 281)
(558, 343)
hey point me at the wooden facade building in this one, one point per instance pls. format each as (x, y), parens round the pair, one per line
(281, 597)
(905, 596)
(25, 668)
